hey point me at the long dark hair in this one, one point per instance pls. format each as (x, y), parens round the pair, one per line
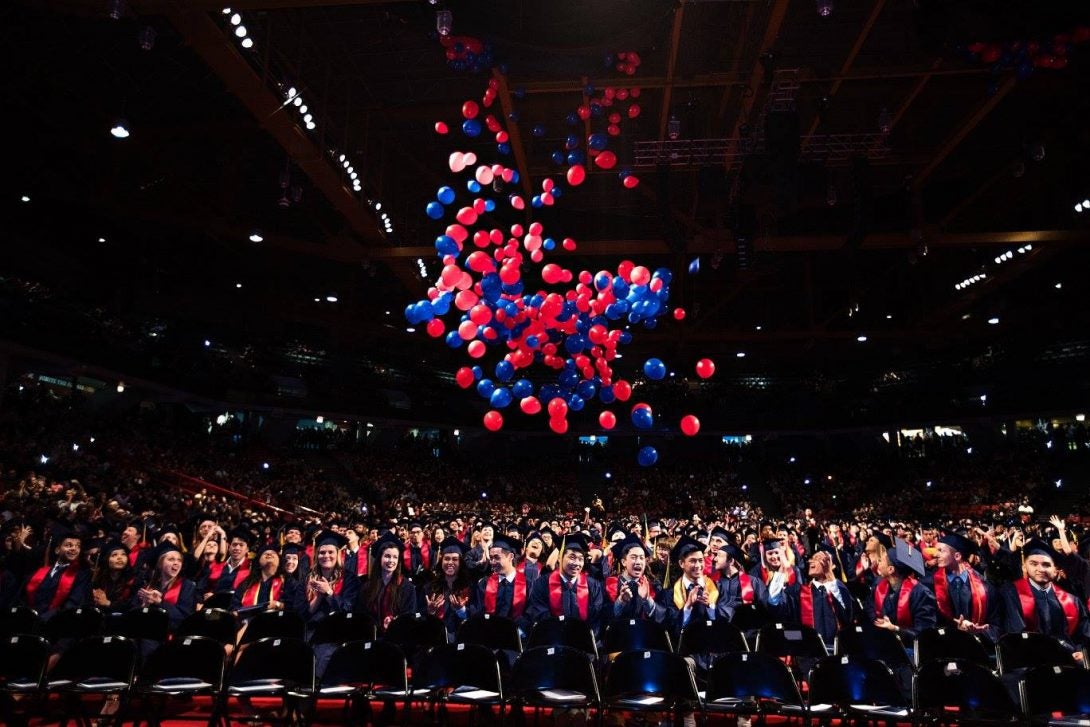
(438, 581)
(101, 578)
(372, 589)
(255, 575)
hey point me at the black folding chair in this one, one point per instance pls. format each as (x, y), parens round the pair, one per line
(1058, 695)
(710, 636)
(495, 632)
(95, 665)
(187, 665)
(358, 672)
(1026, 650)
(273, 625)
(23, 659)
(460, 674)
(556, 677)
(149, 623)
(635, 634)
(742, 683)
(750, 617)
(800, 642)
(342, 628)
(959, 691)
(852, 687)
(73, 623)
(870, 642)
(415, 634)
(215, 623)
(272, 667)
(222, 601)
(563, 631)
(650, 681)
(19, 620)
(948, 644)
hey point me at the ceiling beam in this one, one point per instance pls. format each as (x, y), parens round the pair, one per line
(757, 75)
(671, 66)
(797, 243)
(963, 131)
(864, 33)
(503, 93)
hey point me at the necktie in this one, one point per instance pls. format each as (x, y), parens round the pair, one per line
(957, 597)
(571, 607)
(504, 599)
(1055, 612)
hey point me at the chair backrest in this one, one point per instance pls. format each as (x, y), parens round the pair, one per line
(710, 636)
(495, 632)
(554, 667)
(215, 623)
(1045, 690)
(791, 640)
(112, 657)
(741, 675)
(74, 623)
(343, 627)
(19, 620)
(635, 634)
(972, 689)
(459, 665)
(850, 680)
(194, 657)
(870, 642)
(949, 644)
(375, 664)
(274, 624)
(289, 660)
(651, 673)
(750, 617)
(150, 623)
(221, 600)
(23, 658)
(563, 631)
(415, 633)
(1027, 650)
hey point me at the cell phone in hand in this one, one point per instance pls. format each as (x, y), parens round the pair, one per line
(634, 587)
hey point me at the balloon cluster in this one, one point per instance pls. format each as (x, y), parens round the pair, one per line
(466, 53)
(500, 294)
(1023, 56)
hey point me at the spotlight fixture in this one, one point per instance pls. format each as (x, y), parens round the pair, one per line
(116, 9)
(331, 299)
(444, 22)
(120, 129)
(121, 387)
(993, 321)
(247, 43)
(146, 37)
(824, 8)
(24, 198)
(861, 339)
(673, 128)
(256, 236)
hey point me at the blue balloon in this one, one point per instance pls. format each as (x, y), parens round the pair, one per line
(445, 195)
(485, 387)
(602, 281)
(538, 130)
(571, 142)
(489, 205)
(576, 156)
(647, 456)
(522, 388)
(515, 176)
(548, 243)
(694, 266)
(434, 210)
(519, 92)
(586, 389)
(500, 398)
(654, 369)
(478, 372)
(533, 341)
(536, 201)
(598, 141)
(441, 305)
(576, 403)
(473, 186)
(471, 127)
(596, 110)
(572, 118)
(642, 418)
(589, 89)
(503, 148)
(504, 370)
(513, 116)
(445, 245)
(558, 157)
(606, 395)
(454, 340)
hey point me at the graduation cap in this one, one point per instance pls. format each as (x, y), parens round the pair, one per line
(883, 539)
(292, 549)
(267, 547)
(162, 549)
(533, 535)
(905, 558)
(387, 541)
(719, 532)
(1037, 546)
(773, 542)
(243, 534)
(63, 531)
(621, 547)
(732, 551)
(615, 532)
(509, 544)
(577, 542)
(328, 537)
(960, 543)
(453, 545)
(684, 547)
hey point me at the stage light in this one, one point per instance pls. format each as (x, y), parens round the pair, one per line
(740, 354)
(993, 321)
(120, 129)
(24, 198)
(240, 31)
(247, 43)
(673, 128)
(256, 236)
(102, 239)
(861, 339)
(824, 8)
(444, 22)
(331, 298)
(320, 419)
(410, 329)
(146, 37)
(236, 19)
(238, 286)
(121, 387)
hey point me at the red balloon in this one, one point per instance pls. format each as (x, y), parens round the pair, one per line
(679, 314)
(557, 408)
(569, 244)
(530, 405)
(441, 128)
(493, 421)
(576, 174)
(470, 109)
(464, 377)
(622, 390)
(436, 327)
(633, 110)
(631, 181)
(690, 425)
(606, 159)
(558, 425)
(476, 349)
(705, 367)
(607, 420)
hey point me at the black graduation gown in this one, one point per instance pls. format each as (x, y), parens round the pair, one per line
(538, 606)
(921, 606)
(827, 621)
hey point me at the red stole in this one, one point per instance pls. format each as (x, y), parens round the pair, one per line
(171, 594)
(361, 558)
(614, 581)
(806, 606)
(582, 595)
(745, 587)
(977, 593)
(904, 613)
(216, 570)
(518, 597)
(766, 576)
(249, 598)
(134, 554)
(1029, 606)
(425, 557)
(64, 585)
